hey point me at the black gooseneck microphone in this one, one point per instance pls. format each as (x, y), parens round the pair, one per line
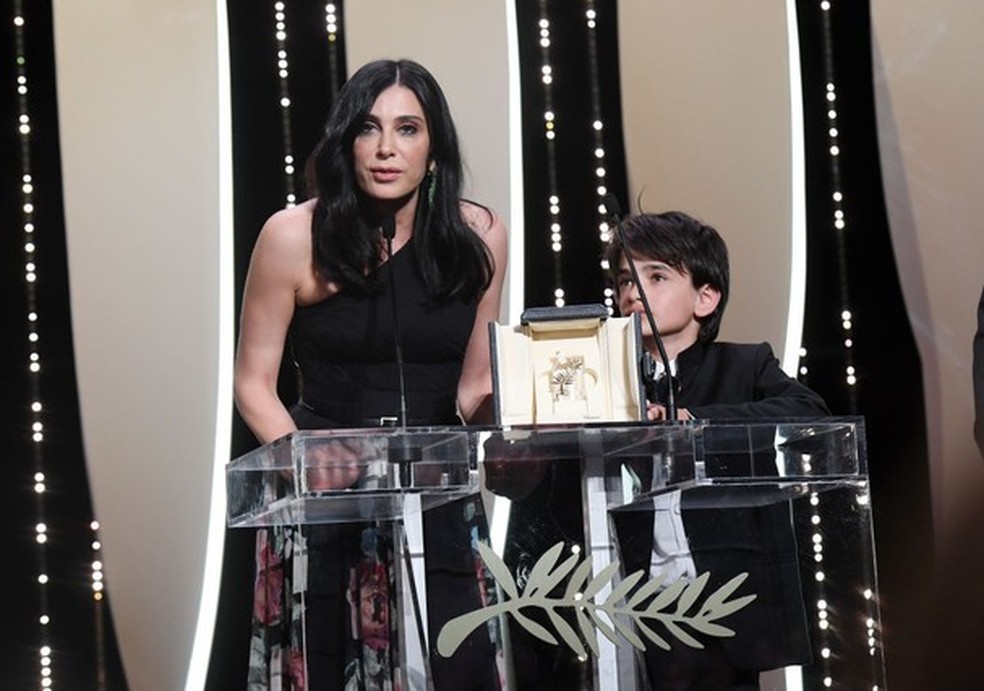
(615, 218)
(400, 449)
(388, 229)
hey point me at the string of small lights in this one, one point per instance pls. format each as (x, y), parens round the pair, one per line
(33, 337)
(280, 28)
(40, 485)
(332, 23)
(331, 32)
(822, 607)
(550, 132)
(597, 128)
(868, 606)
(838, 219)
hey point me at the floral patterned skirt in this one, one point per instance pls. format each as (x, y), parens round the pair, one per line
(325, 612)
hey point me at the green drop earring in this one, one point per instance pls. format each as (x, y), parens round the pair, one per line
(431, 188)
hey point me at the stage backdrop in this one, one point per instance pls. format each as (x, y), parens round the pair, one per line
(143, 133)
(713, 126)
(141, 89)
(930, 103)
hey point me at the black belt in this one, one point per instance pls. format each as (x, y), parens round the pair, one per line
(394, 421)
(383, 420)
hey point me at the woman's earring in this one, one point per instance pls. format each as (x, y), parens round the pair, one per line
(431, 188)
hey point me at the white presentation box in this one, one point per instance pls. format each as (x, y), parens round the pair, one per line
(564, 365)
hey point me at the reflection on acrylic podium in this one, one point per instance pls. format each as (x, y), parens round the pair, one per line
(618, 556)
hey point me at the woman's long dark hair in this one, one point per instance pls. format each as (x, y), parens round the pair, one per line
(452, 258)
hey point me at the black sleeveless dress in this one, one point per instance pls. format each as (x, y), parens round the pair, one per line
(344, 350)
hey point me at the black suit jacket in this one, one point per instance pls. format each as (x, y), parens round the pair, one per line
(735, 381)
(738, 380)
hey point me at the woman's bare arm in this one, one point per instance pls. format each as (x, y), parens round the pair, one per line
(475, 385)
(282, 252)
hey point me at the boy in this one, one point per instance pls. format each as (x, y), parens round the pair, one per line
(682, 266)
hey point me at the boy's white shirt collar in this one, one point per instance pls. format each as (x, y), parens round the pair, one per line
(660, 368)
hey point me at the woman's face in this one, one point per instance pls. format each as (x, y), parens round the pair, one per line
(392, 147)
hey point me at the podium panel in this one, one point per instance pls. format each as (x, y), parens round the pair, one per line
(345, 475)
(619, 556)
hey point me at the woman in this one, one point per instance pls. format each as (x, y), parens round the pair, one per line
(319, 273)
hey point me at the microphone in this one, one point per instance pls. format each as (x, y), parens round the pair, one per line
(615, 218)
(400, 450)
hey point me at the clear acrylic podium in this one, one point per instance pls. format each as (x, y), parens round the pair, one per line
(621, 556)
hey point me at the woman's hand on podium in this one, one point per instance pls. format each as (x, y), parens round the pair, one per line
(335, 464)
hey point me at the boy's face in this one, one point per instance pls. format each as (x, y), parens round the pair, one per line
(677, 305)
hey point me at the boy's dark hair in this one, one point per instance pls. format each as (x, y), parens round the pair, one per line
(684, 243)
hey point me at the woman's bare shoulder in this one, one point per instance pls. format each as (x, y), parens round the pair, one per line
(291, 219)
(288, 230)
(483, 220)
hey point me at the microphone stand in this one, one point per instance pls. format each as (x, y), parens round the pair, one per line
(400, 449)
(615, 216)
